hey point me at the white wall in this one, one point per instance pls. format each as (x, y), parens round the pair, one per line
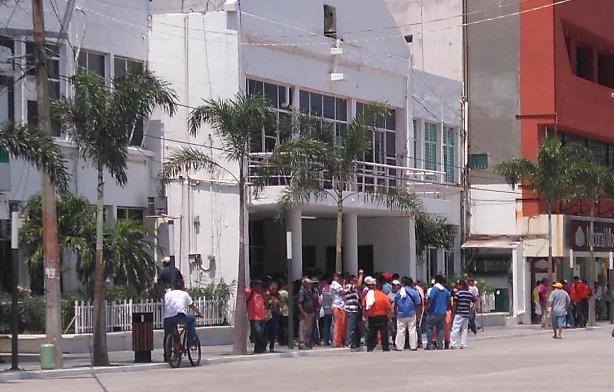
(494, 209)
(437, 45)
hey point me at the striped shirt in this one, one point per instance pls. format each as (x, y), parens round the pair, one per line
(463, 300)
(352, 299)
(327, 300)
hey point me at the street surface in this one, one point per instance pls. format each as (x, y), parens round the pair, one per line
(582, 360)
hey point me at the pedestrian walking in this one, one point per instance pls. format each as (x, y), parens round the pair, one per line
(557, 306)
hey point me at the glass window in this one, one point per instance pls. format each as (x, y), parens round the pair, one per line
(130, 213)
(416, 138)
(123, 65)
(328, 107)
(449, 154)
(430, 146)
(92, 62)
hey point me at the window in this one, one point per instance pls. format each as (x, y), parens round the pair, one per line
(384, 138)
(32, 108)
(430, 145)
(449, 154)
(92, 62)
(136, 214)
(409, 39)
(416, 141)
(7, 99)
(53, 66)
(332, 110)
(280, 98)
(123, 66)
(478, 161)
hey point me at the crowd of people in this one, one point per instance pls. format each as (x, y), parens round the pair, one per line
(576, 311)
(344, 310)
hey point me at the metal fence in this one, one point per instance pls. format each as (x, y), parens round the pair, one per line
(119, 314)
(488, 302)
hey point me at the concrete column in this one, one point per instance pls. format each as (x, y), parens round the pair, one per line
(413, 257)
(350, 243)
(296, 227)
(441, 261)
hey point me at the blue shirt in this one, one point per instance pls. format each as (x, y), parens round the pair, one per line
(406, 307)
(439, 300)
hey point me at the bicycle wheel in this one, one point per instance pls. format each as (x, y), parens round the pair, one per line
(173, 350)
(194, 352)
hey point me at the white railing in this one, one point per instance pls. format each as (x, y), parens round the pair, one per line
(488, 302)
(369, 176)
(119, 314)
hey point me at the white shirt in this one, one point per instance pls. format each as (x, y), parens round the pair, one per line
(339, 299)
(474, 290)
(175, 302)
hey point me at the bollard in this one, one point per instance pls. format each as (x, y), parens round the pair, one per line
(47, 356)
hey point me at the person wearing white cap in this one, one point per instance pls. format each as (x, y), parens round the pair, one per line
(166, 276)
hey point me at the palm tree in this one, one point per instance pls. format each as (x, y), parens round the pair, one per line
(76, 226)
(337, 171)
(594, 181)
(433, 232)
(37, 148)
(100, 121)
(236, 122)
(553, 176)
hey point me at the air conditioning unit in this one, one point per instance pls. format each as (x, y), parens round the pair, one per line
(157, 205)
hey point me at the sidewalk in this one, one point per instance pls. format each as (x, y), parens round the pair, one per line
(123, 361)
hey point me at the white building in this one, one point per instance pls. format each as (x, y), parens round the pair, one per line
(323, 59)
(280, 50)
(103, 38)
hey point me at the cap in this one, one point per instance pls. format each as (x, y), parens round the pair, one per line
(396, 283)
(307, 280)
(256, 281)
(433, 281)
(387, 276)
(338, 274)
(370, 280)
(166, 260)
(558, 285)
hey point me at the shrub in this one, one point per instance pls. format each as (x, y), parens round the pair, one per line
(213, 290)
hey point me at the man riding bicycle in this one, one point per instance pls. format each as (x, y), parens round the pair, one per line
(176, 304)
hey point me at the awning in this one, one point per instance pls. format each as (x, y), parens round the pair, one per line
(490, 243)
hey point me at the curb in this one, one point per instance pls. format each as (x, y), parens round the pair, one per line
(86, 371)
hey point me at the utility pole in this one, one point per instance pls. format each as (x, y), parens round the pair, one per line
(15, 220)
(290, 290)
(53, 320)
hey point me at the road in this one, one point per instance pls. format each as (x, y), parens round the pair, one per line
(582, 360)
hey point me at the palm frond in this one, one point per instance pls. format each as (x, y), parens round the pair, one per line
(37, 148)
(397, 200)
(433, 232)
(188, 159)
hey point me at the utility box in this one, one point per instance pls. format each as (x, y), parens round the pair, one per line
(142, 337)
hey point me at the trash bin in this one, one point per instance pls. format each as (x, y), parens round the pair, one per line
(142, 336)
(502, 300)
(47, 356)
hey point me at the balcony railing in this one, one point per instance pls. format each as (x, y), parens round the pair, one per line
(369, 177)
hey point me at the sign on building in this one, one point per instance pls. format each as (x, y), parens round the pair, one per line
(581, 238)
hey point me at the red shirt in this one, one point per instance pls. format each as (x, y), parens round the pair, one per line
(580, 291)
(255, 305)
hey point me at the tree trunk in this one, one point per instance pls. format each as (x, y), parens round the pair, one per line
(339, 235)
(590, 270)
(100, 356)
(239, 346)
(548, 322)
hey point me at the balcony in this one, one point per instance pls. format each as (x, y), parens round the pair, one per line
(370, 177)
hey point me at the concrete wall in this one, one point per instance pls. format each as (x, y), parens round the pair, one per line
(494, 99)
(437, 45)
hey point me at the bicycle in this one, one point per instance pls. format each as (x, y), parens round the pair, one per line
(176, 345)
